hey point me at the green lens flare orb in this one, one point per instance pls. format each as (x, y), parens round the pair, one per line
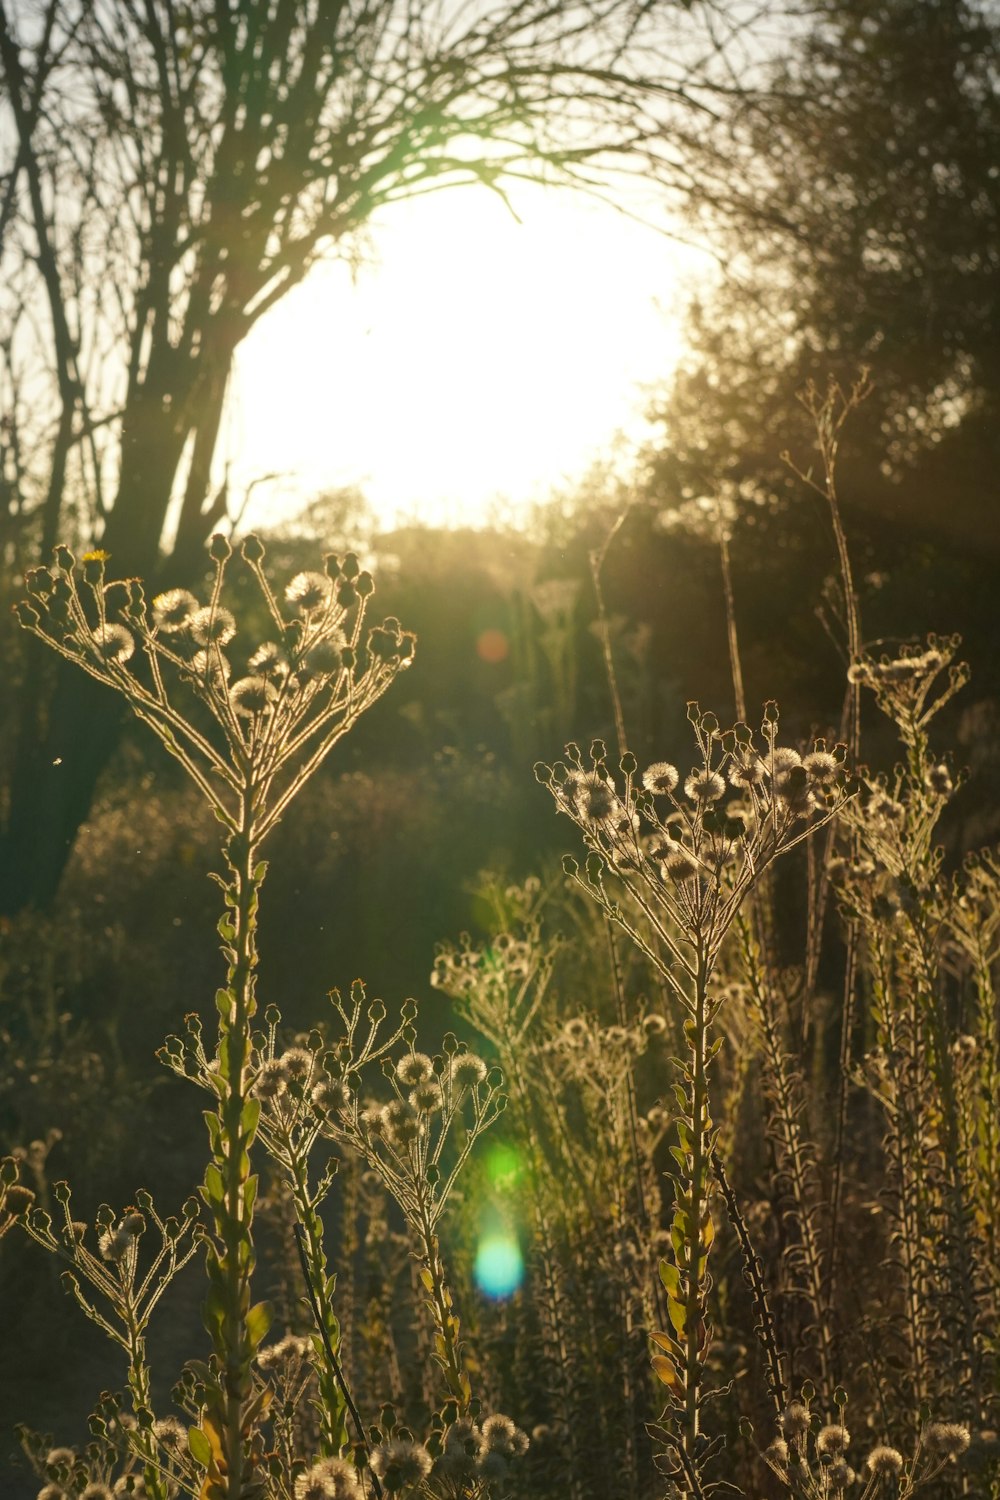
(503, 1168)
(499, 1265)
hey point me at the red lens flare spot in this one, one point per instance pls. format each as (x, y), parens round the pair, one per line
(493, 646)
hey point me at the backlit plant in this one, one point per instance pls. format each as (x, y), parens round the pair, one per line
(249, 741)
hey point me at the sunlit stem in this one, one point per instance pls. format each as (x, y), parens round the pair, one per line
(309, 1234)
(446, 1341)
(234, 1257)
(699, 1211)
(138, 1384)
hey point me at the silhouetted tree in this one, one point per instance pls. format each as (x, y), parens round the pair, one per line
(854, 199)
(169, 171)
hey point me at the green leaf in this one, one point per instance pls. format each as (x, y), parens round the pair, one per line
(214, 1130)
(213, 1189)
(671, 1278)
(199, 1446)
(249, 1120)
(258, 1322)
(677, 1314)
(213, 1315)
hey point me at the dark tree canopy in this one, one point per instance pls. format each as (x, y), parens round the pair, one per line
(855, 202)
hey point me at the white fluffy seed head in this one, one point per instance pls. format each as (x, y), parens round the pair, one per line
(309, 591)
(210, 626)
(172, 610)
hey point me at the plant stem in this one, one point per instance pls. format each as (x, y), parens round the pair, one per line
(229, 1189)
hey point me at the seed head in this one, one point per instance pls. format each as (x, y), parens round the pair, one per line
(341, 1478)
(795, 1420)
(211, 667)
(309, 591)
(783, 758)
(832, 1440)
(173, 610)
(948, 1439)
(114, 642)
(313, 1485)
(114, 1244)
(467, 1070)
(493, 1465)
(415, 1068)
(271, 1081)
(372, 1119)
(793, 787)
(96, 1491)
(252, 696)
(297, 1062)
(502, 1436)
(326, 656)
(332, 1094)
(401, 1125)
(52, 1492)
(291, 1350)
(840, 1474)
(884, 1460)
(660, 778)
(463, 1443)
(270, 661)
(171, 1433)
(677, 863)
(704, 786)
(594, 799)
(60, 1458)
(747, 773)
(822, 767)
(426, 1098)
(212, 626)
(18, 1199)
(776, 1454)
(411, 1461)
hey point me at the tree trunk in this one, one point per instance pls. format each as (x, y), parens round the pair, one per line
(52, 787)
(61, 754)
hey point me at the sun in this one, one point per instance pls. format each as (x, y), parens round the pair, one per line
(478, 358)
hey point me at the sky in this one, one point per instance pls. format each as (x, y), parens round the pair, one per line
(471, 358)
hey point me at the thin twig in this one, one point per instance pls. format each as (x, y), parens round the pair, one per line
(335, 1364)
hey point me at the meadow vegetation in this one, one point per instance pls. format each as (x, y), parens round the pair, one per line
(732, 1225)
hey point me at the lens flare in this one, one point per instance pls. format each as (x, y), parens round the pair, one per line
(493, 646)
(499, 1265)
(503, 1168)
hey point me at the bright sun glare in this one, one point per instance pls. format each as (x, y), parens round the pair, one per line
(476, 359)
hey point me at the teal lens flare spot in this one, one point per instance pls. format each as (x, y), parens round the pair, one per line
(499, 1265)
